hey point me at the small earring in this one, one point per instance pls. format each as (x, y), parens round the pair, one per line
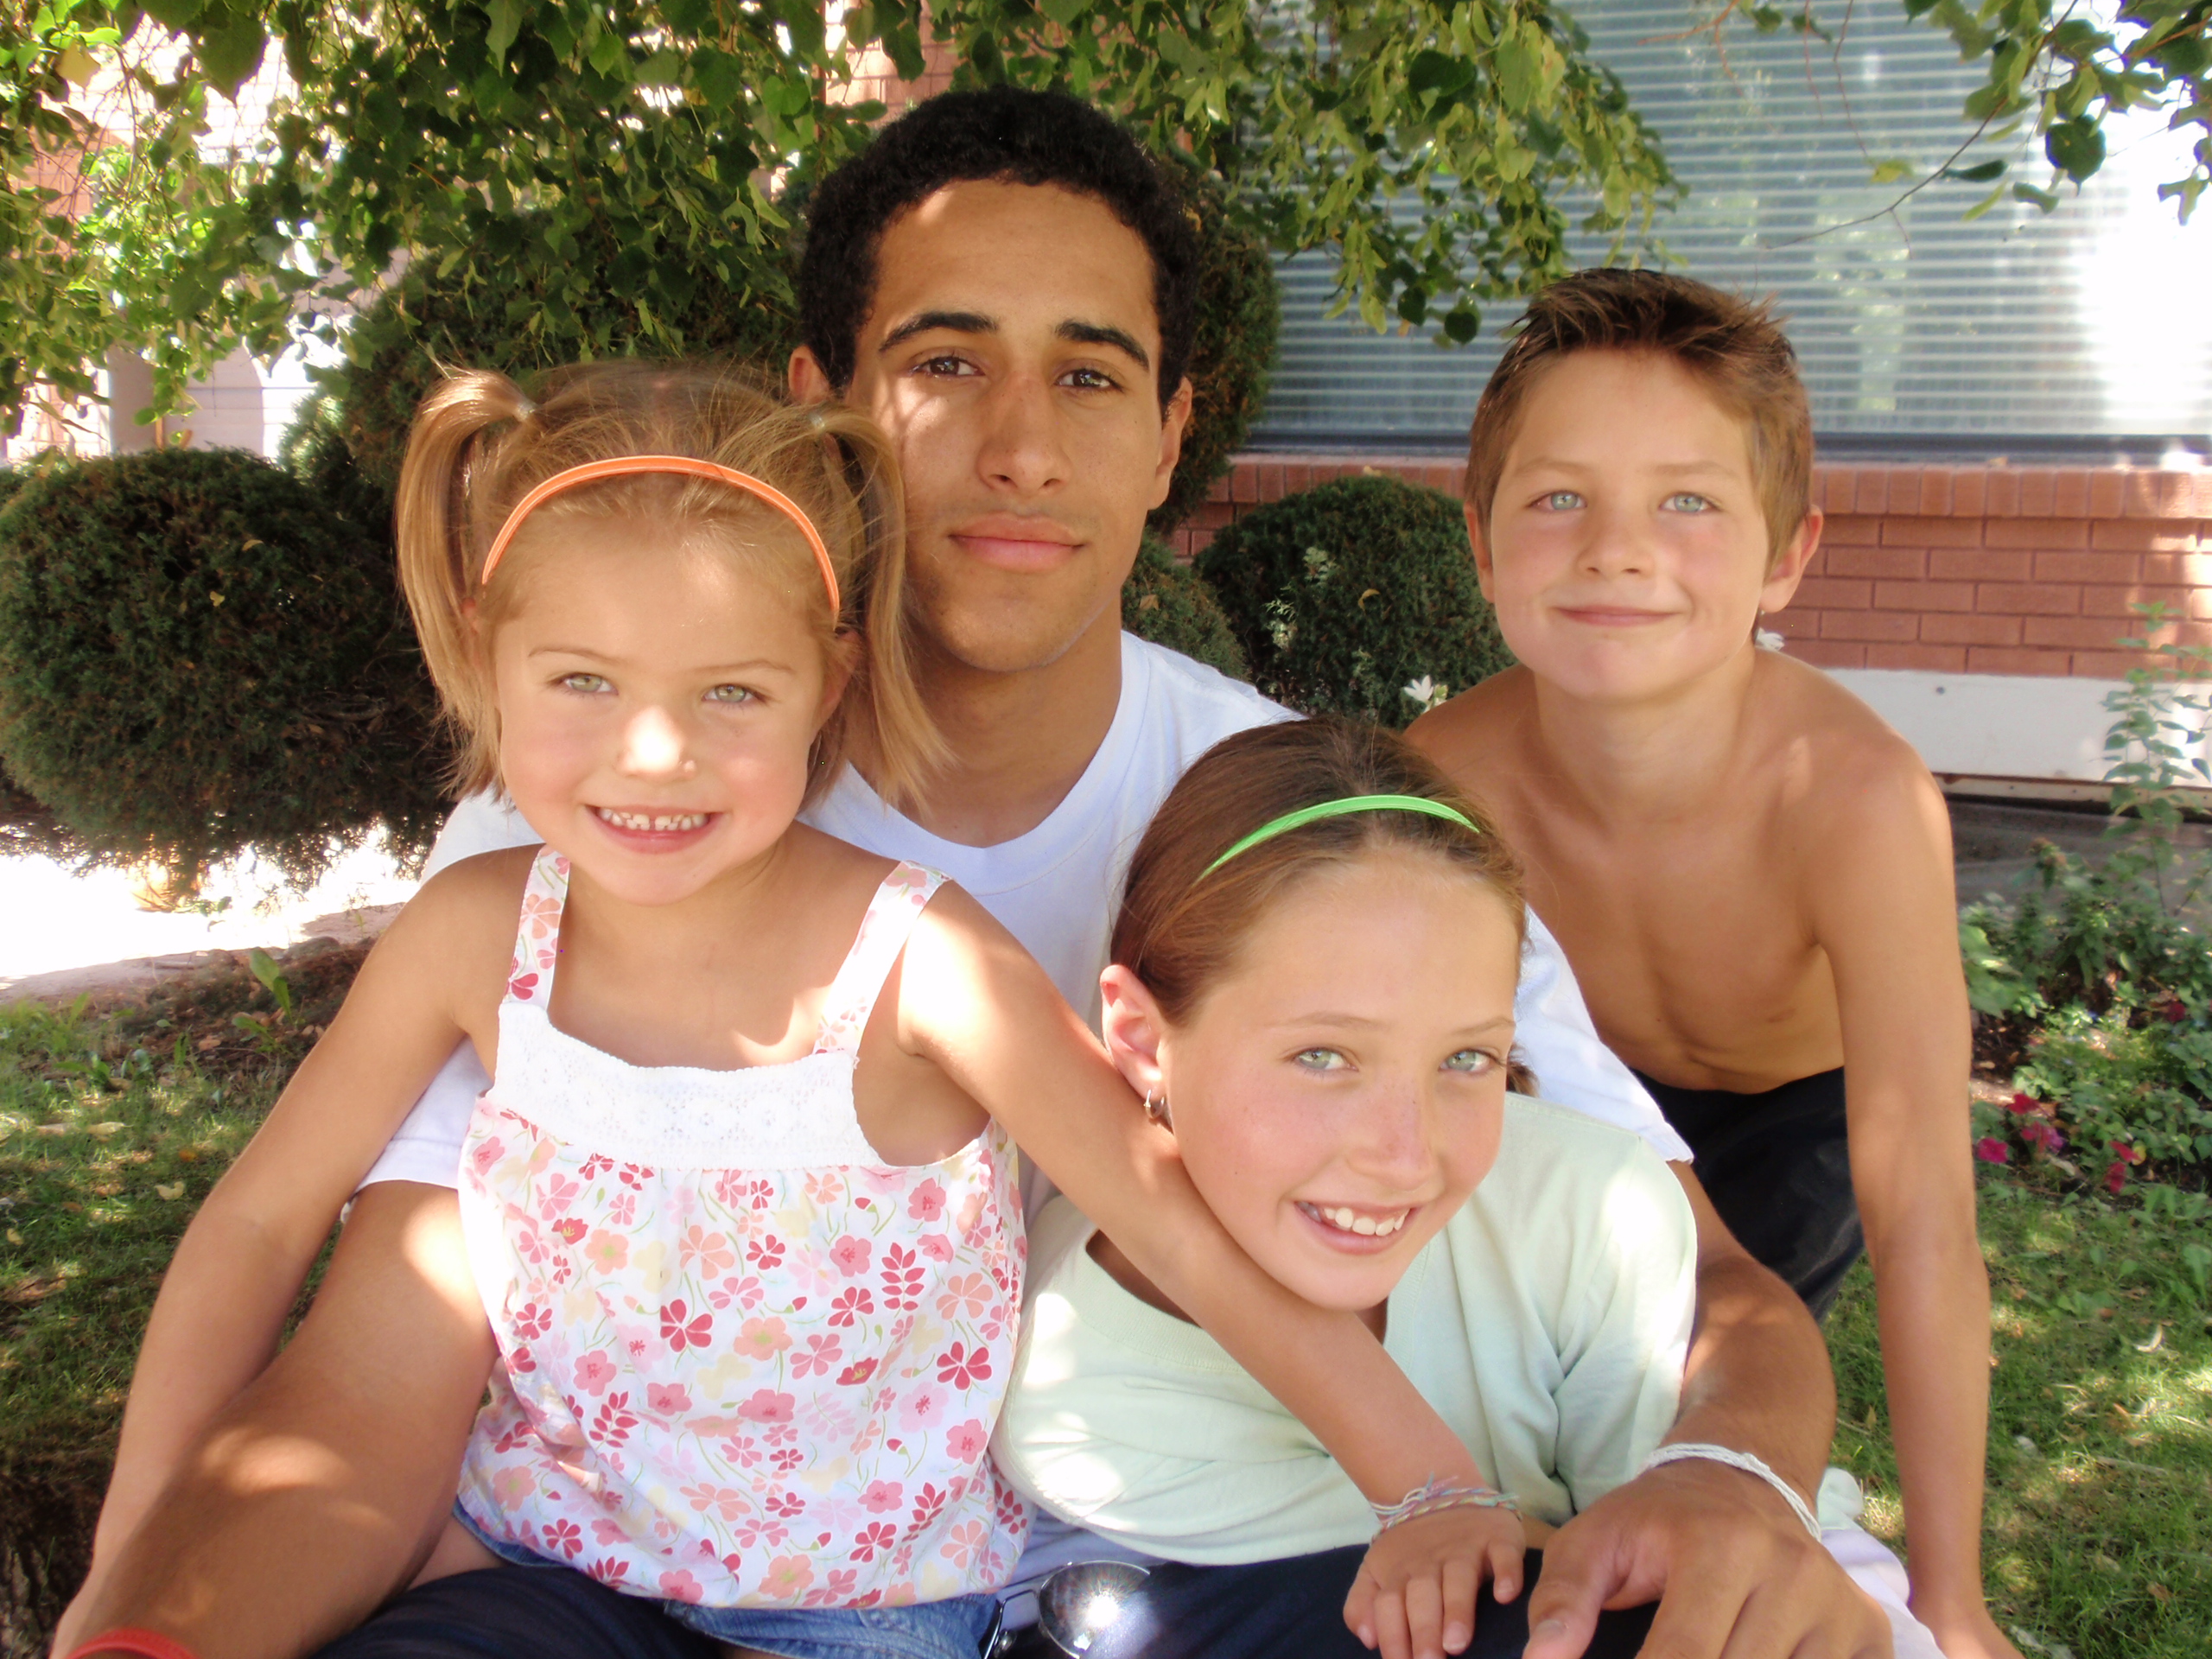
(1155, 1108)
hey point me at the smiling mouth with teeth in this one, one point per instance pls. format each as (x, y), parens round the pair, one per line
(1344, 1219)
(664, 823)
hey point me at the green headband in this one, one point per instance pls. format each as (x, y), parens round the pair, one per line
(1306, 815)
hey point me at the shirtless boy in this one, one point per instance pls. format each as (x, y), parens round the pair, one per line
(993, 282)
(1749, 872)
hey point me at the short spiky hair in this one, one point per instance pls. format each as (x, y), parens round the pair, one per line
(1006, 135)
(1736, 347)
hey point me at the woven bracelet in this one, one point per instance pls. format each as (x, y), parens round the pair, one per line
(146, 1644)
(1699, 1451)
(1435, 1498)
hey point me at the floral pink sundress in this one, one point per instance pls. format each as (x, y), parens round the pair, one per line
(744, 1362)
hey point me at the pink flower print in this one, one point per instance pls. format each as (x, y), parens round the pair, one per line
(762, 1338)
(902, 1278)
(565, 1538)
(838, 1591)
(679, 1330)
(533, 1322)
(766, 1406)
(787, 1575)
(668, 1398)
(487, 1154)
(882, 1496)
(594, 1371)
(725, 1501)
(710, 1252)
(937, 1247)
(512, 1487)
(971, 1211)
(523, 987)
(557, 1194)
(514, 1435)
(614, 1421)
(822, 1354)
(761, 1529)
(745, 1292)
(609, 1571)
(790, 1505)
(929, 1503)
(902, 1328)
(608, 1252)
(569, 1229)
(541, 917)
(850, 1253)
(595, 1165)
(623, 1211)
(857, 1300)
(966, 1442)
(963, 1368)
(928, 1202)
(530, 1243)
(965, 1543)
(634, 1175)
(924, 1409)
(825, 1189)
(787, 1460)
(522, 1362)
(966, 1295)
(742, 1450)
(765, 1254)
(1011, 1516)
(680, 1586)
(876, 1536)
(859, 1371)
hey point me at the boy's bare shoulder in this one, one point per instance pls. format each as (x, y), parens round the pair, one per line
(1845, 770)
(1483, 724)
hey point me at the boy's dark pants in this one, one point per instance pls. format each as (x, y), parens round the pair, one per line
(1778, 1167)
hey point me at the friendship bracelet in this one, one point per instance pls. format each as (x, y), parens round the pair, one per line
(1686, 1451)
(146, 1644)
(1435, 1498)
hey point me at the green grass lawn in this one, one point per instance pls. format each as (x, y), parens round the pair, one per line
(2100, 1518)
(2098, 1533)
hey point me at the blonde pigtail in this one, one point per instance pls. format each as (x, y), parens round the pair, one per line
(438, 564)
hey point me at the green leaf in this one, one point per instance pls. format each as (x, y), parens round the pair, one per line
(1438, 75)
(1980, 172)
(1063, 12)
(1519, 70)
(2076, 148)
(1892, 169)
(230, 49)
(176, 15)
(506, 24)
(2045, 200)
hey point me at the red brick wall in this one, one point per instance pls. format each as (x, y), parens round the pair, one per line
(1988, 570)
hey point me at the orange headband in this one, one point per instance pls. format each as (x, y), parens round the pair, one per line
(622, 465)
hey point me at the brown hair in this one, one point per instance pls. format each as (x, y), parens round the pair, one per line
(478, 445)
(1736, 347)
(1180, 928)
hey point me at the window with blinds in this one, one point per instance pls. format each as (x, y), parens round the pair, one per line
(2088, 330)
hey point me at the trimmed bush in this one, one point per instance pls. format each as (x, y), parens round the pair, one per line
(1233, 352)
(1171, 606)
(198, 657)
(1344, 594)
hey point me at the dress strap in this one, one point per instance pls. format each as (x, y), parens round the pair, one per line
(898, 905)
(538, 938)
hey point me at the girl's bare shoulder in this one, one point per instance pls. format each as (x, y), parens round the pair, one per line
(469, 906)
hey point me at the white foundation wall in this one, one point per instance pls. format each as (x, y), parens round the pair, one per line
(2005, 726)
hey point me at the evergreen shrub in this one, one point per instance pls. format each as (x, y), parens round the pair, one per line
(198, 657)
(1344, 594)
(1172, 605)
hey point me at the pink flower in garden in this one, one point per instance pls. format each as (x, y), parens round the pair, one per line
(1991, 1150)
(668, 1398)
(2023, 1104)
(2116, 1177)
(594, 1371)
(882, 1496)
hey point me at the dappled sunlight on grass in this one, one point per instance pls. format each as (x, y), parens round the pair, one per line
(2098, 1531)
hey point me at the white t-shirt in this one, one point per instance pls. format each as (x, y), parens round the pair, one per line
(1055, 889)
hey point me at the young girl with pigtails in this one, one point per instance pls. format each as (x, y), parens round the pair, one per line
(741, 1201)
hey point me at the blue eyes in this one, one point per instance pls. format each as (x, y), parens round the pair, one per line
(1686, 502)
(1467, 1062)
(1569, 500)
(1560, 501)
(1471, 1061)
(1320, 1059)
(728, 697)
(583, 682)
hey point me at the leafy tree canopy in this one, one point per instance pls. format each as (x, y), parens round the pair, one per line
(620, 146)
